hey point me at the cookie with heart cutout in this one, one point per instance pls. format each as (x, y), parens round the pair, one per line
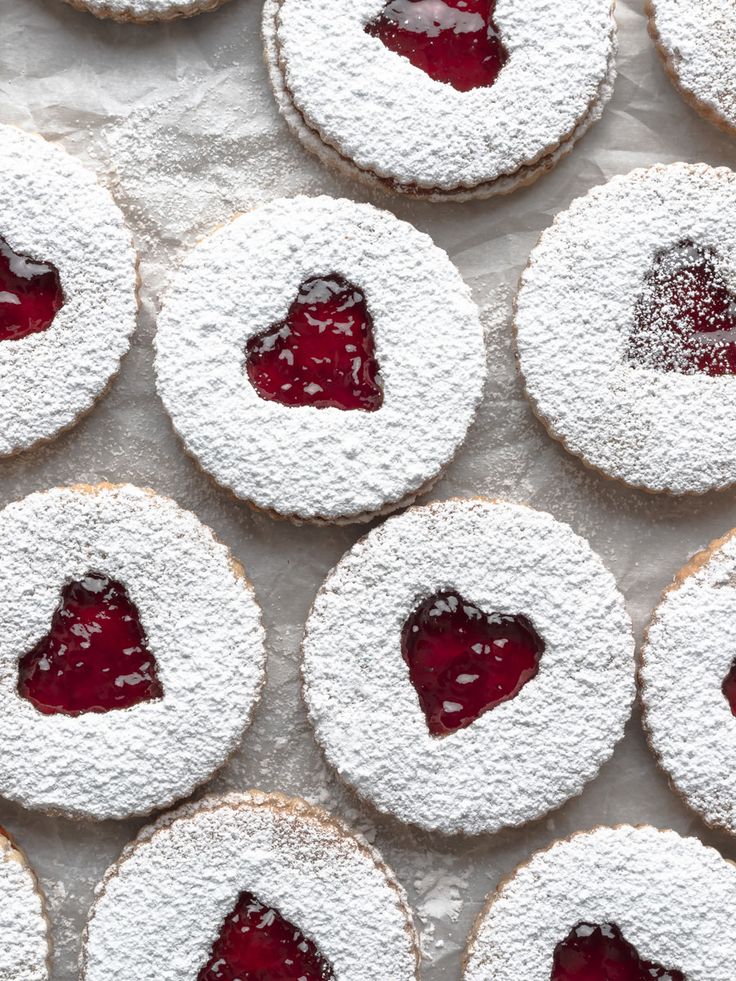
(145, 11)
(687, 680)
(250, 885)
(696, 40)
(320, 359)
(25, 948)
(131, 655)
(448, 100)
(639, 901)
(626, 328)
(68, 283)
(468, 666)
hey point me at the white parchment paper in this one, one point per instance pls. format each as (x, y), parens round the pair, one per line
(179, 121)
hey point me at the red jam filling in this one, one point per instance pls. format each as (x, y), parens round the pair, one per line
(464, 662)
(453, 41)
(256, 943)
(323, 354)
(600, 953)
(94, 658)
(686, 315)
(729, 688)
(30, 294)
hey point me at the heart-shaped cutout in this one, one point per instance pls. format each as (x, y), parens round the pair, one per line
(463, 661)
(94, 657)
(686, 315)
(729, 688)
(601, 953)
(453, 41)
(257, 943)
(322, 354)
(30, 294)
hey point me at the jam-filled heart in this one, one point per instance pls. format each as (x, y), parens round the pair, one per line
(729, 687)
(94, 658)
(463, 661)
(258, 944)
(686, 315)
(601, 953)
(453, 41)
(322, 354)
(30, 294)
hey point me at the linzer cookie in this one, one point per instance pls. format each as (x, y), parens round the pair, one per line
(634, 904)
(696, 40)
(469, 666)
(320, 359)
(131, 653)
(145, 11)
(626, 328)
(24, 938)
(67, 289)
(250, 886)
(688, 683)
(445, 99)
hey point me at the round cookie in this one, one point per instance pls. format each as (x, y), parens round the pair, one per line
(488, 139)
(626, 324)
(25, 948)
(657, 905)
(688, 683)
(289, 864)
(144, 11)
(320, 359)
(468, 666)
(68, 285)
(696, 40)
(131, 656)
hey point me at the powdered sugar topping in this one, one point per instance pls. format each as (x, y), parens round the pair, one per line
(24, 942)
(145, 10)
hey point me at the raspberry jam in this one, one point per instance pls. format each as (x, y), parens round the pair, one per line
(686, 315)
(453, 41)
(464, 662)
(323, 354)
(600, 953)
(94, 658)
(729, 688)
(30, 294)
(256, 943)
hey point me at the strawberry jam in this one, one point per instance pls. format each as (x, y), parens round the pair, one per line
(600, 953)
(323, 354)
(94, 658)
(464, 662)
(256, 943)
(686, 315)
(30, 294)
(729, 688)
(453, 41)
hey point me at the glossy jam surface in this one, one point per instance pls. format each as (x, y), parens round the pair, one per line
(323, 354)
(601, 953)
(453, 41)
(464, 661)
(94, 658)
(257, 944)
(30, 294)
(729, 688)
(686, 315)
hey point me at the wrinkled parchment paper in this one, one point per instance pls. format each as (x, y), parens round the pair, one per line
(179, 121)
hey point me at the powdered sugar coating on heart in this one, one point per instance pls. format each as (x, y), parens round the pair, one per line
(306, 462)
(24, 940)
(576, 309)
(295, 858)
(685, 660)
(202, 625)
(458, 139)
(671, 897)
(525, 756)
(53, 210)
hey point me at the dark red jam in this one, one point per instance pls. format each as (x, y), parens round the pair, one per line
(257, 944)
(729, 688)
(464, 662)
(600, 953)
(323, 354)
(30, 294)
(453, 41)
(94, 658)
(686, 315)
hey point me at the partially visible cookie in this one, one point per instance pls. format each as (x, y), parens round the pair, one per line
(145, 11)
(25, 947)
